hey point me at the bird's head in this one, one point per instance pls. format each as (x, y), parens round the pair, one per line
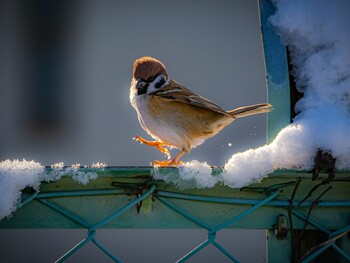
(149, 75)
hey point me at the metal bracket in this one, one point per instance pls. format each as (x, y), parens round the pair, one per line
(281, 229)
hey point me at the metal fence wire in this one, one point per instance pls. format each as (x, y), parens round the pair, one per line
(274, 196)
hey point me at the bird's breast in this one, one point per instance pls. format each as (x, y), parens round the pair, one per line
(155, 120)
(178, 124)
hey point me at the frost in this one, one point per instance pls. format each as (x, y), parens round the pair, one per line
(82, 177)
(192, 174)
(56, 173)
(17, 175)
(99, 165)
(197, 172)
(317, 33)
(58, 166)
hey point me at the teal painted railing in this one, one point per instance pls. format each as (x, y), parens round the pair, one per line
(128, 197)
(277, 73)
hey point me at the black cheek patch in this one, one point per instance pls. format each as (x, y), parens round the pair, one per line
(160, 83)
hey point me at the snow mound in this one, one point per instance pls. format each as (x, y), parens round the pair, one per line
(14, 176)
(17, 175)
(192, 174)
(317, 33)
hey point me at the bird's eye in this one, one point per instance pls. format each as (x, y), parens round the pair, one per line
(150, 79)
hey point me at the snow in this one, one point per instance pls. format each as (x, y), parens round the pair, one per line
(16, 175)
(192, 174)
(317, 32)
(99, 165)
(78, 175)
(318, 36)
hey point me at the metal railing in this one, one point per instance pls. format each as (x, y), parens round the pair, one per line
(271, 196)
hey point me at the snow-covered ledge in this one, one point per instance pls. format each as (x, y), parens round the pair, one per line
(137, 197)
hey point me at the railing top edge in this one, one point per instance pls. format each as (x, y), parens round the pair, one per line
(134, 171)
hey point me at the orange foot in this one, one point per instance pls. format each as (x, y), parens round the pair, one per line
(174, 162)
(159, 145)
(166, 163)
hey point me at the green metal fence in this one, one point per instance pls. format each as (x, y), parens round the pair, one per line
(287, 203)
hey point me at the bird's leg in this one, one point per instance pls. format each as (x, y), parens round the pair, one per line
(159, 145)
(174, 162)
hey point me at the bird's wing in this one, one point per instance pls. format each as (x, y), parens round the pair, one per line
(176, 92)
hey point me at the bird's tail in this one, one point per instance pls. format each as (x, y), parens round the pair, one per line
(250, 110)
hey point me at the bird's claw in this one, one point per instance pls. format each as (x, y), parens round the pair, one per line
(166, 163)
(159, 145)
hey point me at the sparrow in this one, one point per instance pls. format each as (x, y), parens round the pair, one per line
(174, 116)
